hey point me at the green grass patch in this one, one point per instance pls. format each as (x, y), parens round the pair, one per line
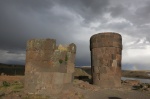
(60, 61)
(66, 58)
(14, 87)
(17, 87)
(36, 97)
(6, 84)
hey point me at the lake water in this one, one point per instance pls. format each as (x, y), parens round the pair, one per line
(141, 80)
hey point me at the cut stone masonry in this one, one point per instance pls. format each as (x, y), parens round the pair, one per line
(106, 49)
(48, 67)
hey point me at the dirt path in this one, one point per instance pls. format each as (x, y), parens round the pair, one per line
(117, 94)
(85, 90)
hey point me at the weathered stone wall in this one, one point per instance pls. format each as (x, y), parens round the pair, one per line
(48, 67)
(106, 53)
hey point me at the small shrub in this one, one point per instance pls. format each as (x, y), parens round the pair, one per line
(6, 84)
(66, 58)
(60, 61)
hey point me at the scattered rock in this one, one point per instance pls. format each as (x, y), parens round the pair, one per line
(142, 87)
(85, 85)
(71, 94)
(132, 82)
(145, 86)
(136, 87)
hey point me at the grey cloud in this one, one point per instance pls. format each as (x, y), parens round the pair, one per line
(21, 24)
(116, 11)
(132, 11)
(148, 38)
(22, 20)
(143, 12)
(119, 25)
(136, 12)
(28, 5)
(90, 10)
(140, 43)
(17, 25)
(64, 20)
(15, 52)
(20, 62)
(15, 58)
(84, 58)
(134, 67)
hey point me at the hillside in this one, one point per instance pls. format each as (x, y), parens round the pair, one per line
(9, 69)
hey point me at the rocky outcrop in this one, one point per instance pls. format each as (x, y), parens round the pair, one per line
(132, 82)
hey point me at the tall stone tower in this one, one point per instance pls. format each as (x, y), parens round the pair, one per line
(106, 53)
(48, 67)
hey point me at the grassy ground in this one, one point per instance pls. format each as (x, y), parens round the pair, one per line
(13, 88)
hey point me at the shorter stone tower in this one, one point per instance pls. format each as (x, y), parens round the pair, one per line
(48, 67)
(106, 49)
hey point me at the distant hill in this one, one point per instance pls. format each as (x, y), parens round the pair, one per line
(10, 69)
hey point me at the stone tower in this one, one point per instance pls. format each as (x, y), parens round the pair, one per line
(48, 67)
(106, 53)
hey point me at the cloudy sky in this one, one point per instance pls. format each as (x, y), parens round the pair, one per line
(76, 21)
